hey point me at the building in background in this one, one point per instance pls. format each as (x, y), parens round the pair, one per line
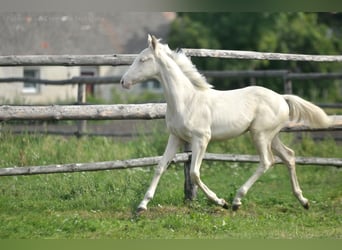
(74, 34)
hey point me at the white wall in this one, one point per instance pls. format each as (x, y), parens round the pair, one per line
(47, 94)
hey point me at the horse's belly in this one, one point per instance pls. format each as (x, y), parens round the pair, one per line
(225, 127)
(221, 133)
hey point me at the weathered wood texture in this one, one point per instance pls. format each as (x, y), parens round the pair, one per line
(109, 112)
(121, 59)
(239, 54)
(95, 166)
(83, 112)
(190, 189)
(337, 162)
(270, 73)
(66, 60)
(149, 161)
(73, 80)
(244, 73)
(208, 73)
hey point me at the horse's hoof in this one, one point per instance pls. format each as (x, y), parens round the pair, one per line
(235, 207)
(140, 210)
(306, 206)
(225, 205)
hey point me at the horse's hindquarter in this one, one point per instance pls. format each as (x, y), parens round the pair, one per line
(236, 111)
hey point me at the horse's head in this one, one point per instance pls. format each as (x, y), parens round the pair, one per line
(144, 67)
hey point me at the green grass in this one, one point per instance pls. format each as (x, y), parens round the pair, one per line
(102, 204)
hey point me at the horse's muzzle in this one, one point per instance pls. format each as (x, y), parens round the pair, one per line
(124, 84)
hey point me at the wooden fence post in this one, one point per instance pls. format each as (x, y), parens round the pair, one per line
(81, 99)
(253, 81)
(287, 84)
(190, 189)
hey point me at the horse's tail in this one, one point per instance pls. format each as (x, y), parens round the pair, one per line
(302, 110)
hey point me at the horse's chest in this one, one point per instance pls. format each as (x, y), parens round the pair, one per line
(187, 125)
(179, 126)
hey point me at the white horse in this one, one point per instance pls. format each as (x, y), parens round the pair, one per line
(196, 114)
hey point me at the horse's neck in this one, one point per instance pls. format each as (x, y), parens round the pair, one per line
(178, 89)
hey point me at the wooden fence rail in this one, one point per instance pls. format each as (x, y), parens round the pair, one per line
(106, 112)
(121, 59)
(66, 60)
(286, 75)
(83, 112)
(239, 54)
(208, 73)
(73, 80)
(270, 73)
(149, 161)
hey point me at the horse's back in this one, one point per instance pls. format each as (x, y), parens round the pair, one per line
(240, 110)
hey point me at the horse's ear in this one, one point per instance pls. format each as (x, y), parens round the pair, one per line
(149, 40)
(152, 41)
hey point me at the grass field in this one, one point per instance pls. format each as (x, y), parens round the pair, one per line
(102, 204)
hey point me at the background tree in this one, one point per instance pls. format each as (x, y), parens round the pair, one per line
(305, 33)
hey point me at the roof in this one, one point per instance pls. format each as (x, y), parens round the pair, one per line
(80, 33)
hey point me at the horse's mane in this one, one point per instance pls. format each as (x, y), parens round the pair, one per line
(190, 70)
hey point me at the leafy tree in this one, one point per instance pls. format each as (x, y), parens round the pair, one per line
(304, 33)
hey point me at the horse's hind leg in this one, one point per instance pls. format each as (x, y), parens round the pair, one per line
(287, 155)
(262, 142)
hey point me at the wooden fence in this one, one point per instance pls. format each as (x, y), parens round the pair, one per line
(143, 111)
(149, 161)
(119, 59)
(83, 112)
(128, 111)
(285, 75)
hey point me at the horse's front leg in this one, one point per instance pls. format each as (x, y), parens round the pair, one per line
(170, 151)
(199, 146)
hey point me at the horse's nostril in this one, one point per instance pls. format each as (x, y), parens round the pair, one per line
(121, 82)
